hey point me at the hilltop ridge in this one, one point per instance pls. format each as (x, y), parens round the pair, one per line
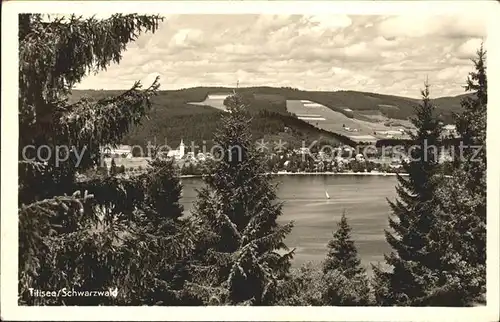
(190, 114)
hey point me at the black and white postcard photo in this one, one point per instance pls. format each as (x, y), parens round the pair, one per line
(250, 160)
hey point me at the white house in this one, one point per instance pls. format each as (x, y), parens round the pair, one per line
(360, 157)
(121, 151)
(396, 164)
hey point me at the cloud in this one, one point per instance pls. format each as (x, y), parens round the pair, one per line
(383, 42)
(468, 49)
(385, 54)
(328, 22)
(150, 78)
(235, 49)
(187, 38)
(360, 50)
(272, 22)
(417, 25)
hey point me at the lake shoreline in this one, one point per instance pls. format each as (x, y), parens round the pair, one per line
(284, 173)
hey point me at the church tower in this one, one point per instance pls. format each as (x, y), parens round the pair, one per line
(181, 149)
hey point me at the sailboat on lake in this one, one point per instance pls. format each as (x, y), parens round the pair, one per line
(327, 195)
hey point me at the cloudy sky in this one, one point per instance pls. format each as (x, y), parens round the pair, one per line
(383, 54)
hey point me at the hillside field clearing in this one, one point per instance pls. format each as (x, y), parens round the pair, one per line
(329, 120)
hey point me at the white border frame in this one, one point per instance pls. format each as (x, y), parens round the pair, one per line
(9, 228)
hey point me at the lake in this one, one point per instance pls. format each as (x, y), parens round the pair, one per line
(362, 197)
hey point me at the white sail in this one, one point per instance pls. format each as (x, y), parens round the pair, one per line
(327, 195)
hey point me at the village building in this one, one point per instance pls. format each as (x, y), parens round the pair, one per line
(178, 153)
(120, 151)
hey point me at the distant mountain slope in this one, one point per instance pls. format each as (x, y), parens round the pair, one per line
(391, 106)
(450, 103)
(174, 116)
(363, 103)
(350, 123)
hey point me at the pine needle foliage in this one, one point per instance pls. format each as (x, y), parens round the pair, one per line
(414, 215)
(75, 234)
(342, 252)
(54, 55)
(344, 279)
(169, 238)
(462, 232)
(241, 257)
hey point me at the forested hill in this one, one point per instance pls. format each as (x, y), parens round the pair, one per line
(396, 107)
(173, 118)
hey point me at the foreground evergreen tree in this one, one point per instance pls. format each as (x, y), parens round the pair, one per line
(462, 232)
(414, 215)
(344, 279)
(113, 170)
(342, 253)
(304, 287)
(340, 290)
(239, 258)
(66, 238)
(168, 238)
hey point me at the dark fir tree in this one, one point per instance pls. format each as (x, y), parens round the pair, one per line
(344, 280)
(462, 233)
(170, 239)
(113, 170)
(69, 231)
(240, 255)
(342, 253)
(413, 216)
(471, 124)
(103, 170)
